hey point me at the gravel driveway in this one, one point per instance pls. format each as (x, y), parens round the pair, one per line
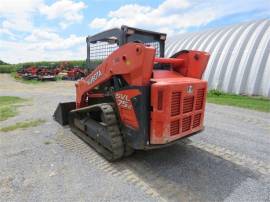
(229, 161)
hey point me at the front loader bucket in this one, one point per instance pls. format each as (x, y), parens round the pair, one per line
(61, 114)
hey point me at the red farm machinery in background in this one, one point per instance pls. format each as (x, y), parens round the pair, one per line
(64, 71)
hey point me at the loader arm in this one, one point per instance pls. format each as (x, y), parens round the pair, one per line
(133, 61)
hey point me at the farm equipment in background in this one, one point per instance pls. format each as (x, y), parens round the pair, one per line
(37, 73)
(74, 73)
(62, 69)
(136, 99)
(50, 73)
(28, 72)
(46, 74)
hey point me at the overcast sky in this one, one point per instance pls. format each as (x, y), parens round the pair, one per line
(34, 30)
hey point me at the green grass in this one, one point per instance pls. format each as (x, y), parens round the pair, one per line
(8, 68)
(8, 106)
(9, 100)
(23, 125)
(254, 103)
(32, 81)
(7, 112)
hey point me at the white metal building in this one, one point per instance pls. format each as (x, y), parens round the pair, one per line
(240, 56)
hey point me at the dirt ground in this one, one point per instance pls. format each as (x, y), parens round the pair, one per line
(229, 161)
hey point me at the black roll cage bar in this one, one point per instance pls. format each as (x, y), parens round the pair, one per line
(126, 34)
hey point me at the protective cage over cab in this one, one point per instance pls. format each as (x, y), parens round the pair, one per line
(101, 45)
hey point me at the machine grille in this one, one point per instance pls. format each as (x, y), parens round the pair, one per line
(188, 104)
(160, 100)
(186, 124)
(175, 103)
(199, 99)
(186, 109)
(196, 120)
(174, 127)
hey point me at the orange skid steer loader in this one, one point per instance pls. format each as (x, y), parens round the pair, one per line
(136, 99)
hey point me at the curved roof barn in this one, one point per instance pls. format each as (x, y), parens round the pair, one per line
(240, 56)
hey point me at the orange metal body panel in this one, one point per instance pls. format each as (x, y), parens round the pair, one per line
(178, 106)
(194, 64)
(133, 61)
(178, 98)
(125, 108)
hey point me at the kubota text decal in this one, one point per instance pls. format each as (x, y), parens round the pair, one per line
(95, 77)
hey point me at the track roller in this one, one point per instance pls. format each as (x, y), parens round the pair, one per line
(97, 125)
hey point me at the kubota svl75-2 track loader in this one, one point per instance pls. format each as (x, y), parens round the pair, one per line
(136, 99)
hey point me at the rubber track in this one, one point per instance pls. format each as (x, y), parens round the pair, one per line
(117, 144)
(113, 129)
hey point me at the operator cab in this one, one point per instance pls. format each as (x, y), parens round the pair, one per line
(101, 45)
